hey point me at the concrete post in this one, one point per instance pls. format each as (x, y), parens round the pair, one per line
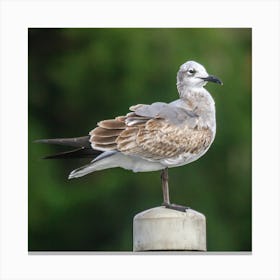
(163, 229)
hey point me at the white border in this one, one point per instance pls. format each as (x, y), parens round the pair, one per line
(17, 16)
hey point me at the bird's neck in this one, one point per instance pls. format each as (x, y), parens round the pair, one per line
(196, 96)
(200, 102)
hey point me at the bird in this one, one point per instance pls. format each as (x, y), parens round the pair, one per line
(152, 137)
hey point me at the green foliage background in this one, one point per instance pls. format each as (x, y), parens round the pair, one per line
(80, 76)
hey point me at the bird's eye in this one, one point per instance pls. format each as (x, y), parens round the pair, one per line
(191, 71)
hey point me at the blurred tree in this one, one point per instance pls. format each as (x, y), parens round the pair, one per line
(80, 76)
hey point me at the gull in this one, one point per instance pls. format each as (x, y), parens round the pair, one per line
(152, 137)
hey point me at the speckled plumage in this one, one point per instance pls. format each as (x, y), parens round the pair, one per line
(152, 138)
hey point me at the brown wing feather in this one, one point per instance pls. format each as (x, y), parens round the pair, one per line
(103, 140)
(149, 137)
(112, 124)
(103, 132)
(104, 136)
(159, 140)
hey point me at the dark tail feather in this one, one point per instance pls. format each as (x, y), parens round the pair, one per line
(77, 153)
(84, 149)
(71, 142)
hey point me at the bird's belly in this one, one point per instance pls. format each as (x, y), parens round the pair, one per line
(137, 164)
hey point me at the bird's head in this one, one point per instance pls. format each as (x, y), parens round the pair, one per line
(193, 75)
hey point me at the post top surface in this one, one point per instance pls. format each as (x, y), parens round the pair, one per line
(163, 212)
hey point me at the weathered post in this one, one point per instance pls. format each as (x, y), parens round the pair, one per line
(163, 229)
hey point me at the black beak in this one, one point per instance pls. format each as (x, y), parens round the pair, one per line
(213, 79)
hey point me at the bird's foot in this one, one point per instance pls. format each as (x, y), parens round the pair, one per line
(175, 206)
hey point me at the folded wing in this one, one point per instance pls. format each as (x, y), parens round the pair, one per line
(152, 132)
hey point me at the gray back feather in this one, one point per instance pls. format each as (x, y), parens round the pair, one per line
(173, 114)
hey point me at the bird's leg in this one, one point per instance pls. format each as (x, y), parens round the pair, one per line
(165, 190)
